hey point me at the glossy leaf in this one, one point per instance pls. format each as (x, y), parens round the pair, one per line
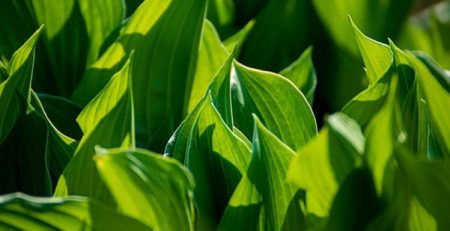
(264, 198)
(274, 99)
(321, 167)
(166, 52)
(211, 57)
(108, 121)
(303, 75)
(19, 211)
(148, 187)
(16, 89)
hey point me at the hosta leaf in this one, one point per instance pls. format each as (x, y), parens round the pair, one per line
(382, 133)
(303, 75)
(75, 30)
(166, 51)
(264, 189)
(321, 167)
(438, 100)
(276, 101)
(16, 89)
(108, 121)
(217, 158)
(377, 56)
(149, 187)
(378, 59)
(212, 55)
(418, 202)
(22, 212)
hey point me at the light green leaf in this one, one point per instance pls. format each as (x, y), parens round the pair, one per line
(15, 91)
(22, 212)
(211, 57)
(382, 133)
(377, 56)
(166, 52)
(302, 73)
(217, 158)
(276, 101)
(438, 101)
(149, 187)
(108, 121)
(321, 167)
(266, 176)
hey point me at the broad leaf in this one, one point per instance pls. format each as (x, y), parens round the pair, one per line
(22, 212)
(211, 57)
(281, 107)
(166, 51)
(16, 89)
(321, 167)
(107, 121)
(149, 187)
(303, 75)
(264, 198)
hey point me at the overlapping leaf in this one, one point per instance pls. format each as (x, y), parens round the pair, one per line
(21, 212)
(148, 187)
(321, 167)
(264, 199)
(108, 121)
(166, 52)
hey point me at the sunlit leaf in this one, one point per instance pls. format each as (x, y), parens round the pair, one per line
(148, 187)
(22, 212)
(108, 121)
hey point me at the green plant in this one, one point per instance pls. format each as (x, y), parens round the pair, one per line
(242, 148)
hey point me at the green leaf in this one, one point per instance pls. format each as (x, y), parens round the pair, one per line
(438, 100)
(16, 89)
(217, 159)
(377, 56)
(108, 121)
(149, 187)
(166, 51)
(303, 75)
(321, 166)
(276, 101)
(212, 55)
(419, 191)
(75, 30)
(22, 212)
(264, 189)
